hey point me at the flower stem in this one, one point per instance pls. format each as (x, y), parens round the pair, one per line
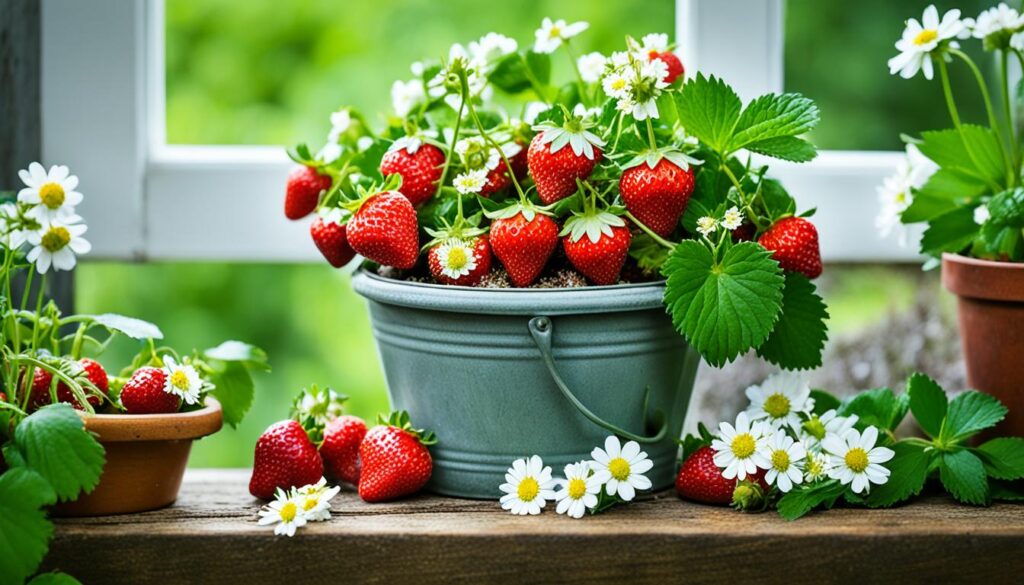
(650, 135)
(954, 114)
(495, 145)
(660, 240)
(579, 77)
(989, 110)
(455, 138)
(1008, 113)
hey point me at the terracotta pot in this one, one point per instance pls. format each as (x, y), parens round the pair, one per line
(991, 313)
(146, 458)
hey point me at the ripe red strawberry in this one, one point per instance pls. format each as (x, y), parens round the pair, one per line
(41, 380)
(555, 174)
(340, 448)
(420, 170)
(519, 162)
(601, 261)
(658, 196)
(701, 480)
(497, 179)
(329, 237)
(395, 460)
(386, 231)
(744, 233)
(675, 66)
(793, 242)
(302, 193)
(524, 245)
(285, 458)
(456, 258)
(143, 393)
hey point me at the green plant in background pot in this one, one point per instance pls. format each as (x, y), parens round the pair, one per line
(519, 268)
(74, 440)
(964, 183)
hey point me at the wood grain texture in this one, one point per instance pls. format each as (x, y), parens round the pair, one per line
(211, 536)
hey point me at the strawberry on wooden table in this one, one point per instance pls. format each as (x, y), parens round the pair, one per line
(302, 192)
(340, 448)
(596, 243)
(561, 154)
(418, 163)
(793, 242)
(284, 458)
(328, 233)
(384, 229)
(657, 188)
(700, 480)
(523, 238)
(395, 460)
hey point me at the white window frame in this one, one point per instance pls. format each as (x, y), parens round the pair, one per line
(103, 115)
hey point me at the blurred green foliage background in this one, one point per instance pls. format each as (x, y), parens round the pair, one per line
(269, 72)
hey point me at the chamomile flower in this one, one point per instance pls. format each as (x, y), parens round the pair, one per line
(552, 34)
(406, 95)
(732, 219)
(785, 456)
(456, 257)
(527, 487)
(855, 459)
(52, 192)
(897, 191)
(491, 47)
(471, 181)
(621, 468)
(57, 243)
(816, 428)
(591, 66)
(314, 500)
(578, 491)
(653, 43)
(739, 448)
(816, 466)
(996, 20)
(182, 380)
(617, 85)
(707, 225)
(285, 513)
(981, 214)
(780, 399)
(921, 39)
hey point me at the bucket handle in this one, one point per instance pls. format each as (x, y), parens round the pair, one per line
(540, 329)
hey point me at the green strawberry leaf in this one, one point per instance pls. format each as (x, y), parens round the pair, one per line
(24, 529)
(799, 336)
(928, 403)
(908, 474)
(1008, 491)
(824, 402)
(950, 232)
(878, 408)
(777, 201)
(970, 412)
(54, 443)
(963, 475)
(771, 117)
(1001, 234)
(512, 73)
(804, 498)
(788, 148)
(709, 109)
(947, 149)
(54, 578)
(129, 326)
(723, 307)
(1003, 458)
(944, 191)
(233, 388)
(237, 351)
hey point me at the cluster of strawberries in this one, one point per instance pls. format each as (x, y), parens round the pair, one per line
(386, 462)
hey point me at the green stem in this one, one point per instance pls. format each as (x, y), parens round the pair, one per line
(76, 345)
(487, 138)
(954, 114)
(1008, 112)
(660, 240)
(980, 79)
(455, 138)
(582, 85)
(650, 135)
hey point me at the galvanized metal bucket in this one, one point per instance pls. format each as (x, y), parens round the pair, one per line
(503, 374)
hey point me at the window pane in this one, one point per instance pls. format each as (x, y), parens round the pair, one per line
(270, 72)
(836, 53)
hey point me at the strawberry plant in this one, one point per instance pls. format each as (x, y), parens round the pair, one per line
(628, 172)
(47, 383)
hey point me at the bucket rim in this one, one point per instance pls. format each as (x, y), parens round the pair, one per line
(509, 301)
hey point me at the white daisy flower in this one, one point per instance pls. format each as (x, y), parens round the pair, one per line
(816, 466)
(406, 95)
(591, 66)
(856, 460)
(739, 449)
(732, 219)
(707, 225)
(52, 192)
(999, 19)
(578, 491)
(490, 49)
(471, 181)
(284, 513)
(551, 35)
(182, 380)
(921, 39)
(456, 256)
(617, 85)
(314, 500)
(895, 194)
(780, 399)
(981, 214)
(816, 428)
(527, 487)
(654, 43)
(57, 243)
(785, 456)
(341, 121)
(621, 467)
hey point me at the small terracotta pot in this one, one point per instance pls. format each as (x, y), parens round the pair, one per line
(146, 458)
(991, 314)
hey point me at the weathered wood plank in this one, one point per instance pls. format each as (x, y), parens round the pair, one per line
(211, 536)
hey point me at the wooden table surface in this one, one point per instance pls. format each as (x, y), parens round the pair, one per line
(210, 536)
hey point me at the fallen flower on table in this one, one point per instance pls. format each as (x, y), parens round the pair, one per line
(293, 509)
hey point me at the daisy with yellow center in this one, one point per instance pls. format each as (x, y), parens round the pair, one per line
(707, 226)
(816, 466)
(315, 500)
(739, 449)
(779, 400)
(52, 192)
(470, 181)
(456, 258)
(578, 491)
(528, 487)
(621, 468)
(921, 41)
(284, 513)
(56, 244)
(855, 459)
(785, 456)
(182, 380)
(552, 34)
(732, 219)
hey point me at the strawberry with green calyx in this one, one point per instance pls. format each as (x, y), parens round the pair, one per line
(314, 407)
(306, 184)
(88, 374)
(384, 227)
(656, 187)
(523, 237)
(556, 168)
(284, 458)
(395, 459)
(328, 234)
(793, 242)
(596, 242)
(339, 448)
(419, 162)
(144, 393)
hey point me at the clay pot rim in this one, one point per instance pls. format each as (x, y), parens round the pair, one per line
(193, 424)
(983, 279)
